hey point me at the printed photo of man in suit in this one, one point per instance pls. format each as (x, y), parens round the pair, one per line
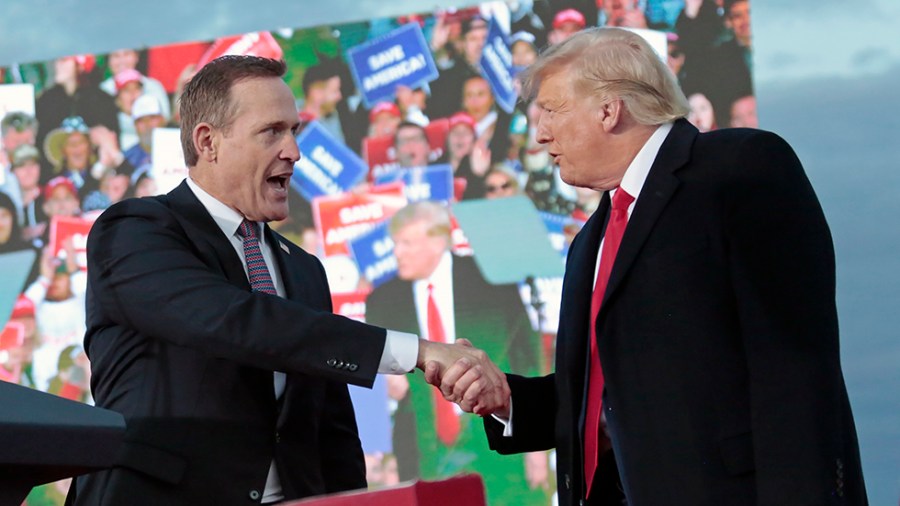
(698, 338)
(213, 335)
(439, 295)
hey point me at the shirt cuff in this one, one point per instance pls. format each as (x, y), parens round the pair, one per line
(400, 352)
(507, 422)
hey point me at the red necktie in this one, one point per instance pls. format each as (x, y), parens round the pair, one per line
(618, 219)
(446, 419)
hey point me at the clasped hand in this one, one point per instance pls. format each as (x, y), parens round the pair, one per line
(465, 375)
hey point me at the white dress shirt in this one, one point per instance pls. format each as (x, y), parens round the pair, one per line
(442, 281)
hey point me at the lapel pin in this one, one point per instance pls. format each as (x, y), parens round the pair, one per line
(284, 247)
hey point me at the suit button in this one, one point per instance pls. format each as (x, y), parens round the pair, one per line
(353, 367)
(568, 482)
(277, 437)
(331, 362)
(254, 495)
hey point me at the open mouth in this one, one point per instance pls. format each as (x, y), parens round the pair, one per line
(279, 183)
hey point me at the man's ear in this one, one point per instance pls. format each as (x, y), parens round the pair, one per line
(206, 142)
(610, 114)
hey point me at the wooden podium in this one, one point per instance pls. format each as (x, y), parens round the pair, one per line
(465, 490)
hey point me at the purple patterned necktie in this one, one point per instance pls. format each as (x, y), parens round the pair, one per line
(260, 279)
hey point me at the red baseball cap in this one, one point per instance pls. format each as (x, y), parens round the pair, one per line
(55, 183)
(388, 107)
(127, 76)
(568, 16)
(462, 118)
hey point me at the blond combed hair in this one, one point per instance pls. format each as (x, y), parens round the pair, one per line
(435, 215)
(612, 63)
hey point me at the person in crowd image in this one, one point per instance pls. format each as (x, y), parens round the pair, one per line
(724, 74)
(322, 92)
(384, 118)
(622, 13)
(449, 85)
(697, 358)
(743, 113)
(128, 88)
(19, 359)
(443, 296)
(499, 183)
(566, 23)
(147, 115)
(523, 49)
(74, 95)
(213, 335)
(58, 295)
(60, 199)
(701, 113)
(84, 156)
(468, 156)
(411, 145)
(26, 169)
(10, 231)
(123, 60)
(16, 129)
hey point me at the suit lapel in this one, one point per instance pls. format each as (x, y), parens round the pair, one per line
(295, 287)
(659, 187)
(576, 297)
(206, 234)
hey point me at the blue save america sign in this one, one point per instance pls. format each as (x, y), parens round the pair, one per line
(434, 182)
(326, 166)
(374, 254)
(400, 57)
(496, 67)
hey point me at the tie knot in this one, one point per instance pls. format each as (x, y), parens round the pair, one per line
(430, 288)
(621, 200)
(247, 230)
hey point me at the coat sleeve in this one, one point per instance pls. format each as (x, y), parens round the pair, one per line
(782, 268)
(147, 276)
(534, 417)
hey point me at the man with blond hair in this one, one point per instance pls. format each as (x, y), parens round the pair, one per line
(697, 352)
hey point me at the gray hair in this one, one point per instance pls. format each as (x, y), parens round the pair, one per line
(435, 215)
(613, 63)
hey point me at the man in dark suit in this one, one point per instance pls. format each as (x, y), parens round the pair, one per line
(426, 444)
(700, 293)
(213, 335)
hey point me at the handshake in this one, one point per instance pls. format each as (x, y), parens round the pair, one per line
(465, 375)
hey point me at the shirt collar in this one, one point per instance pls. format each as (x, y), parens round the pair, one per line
(636, 174)
(225, 217)
(442, 275)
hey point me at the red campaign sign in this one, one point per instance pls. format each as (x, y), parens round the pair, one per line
(339, 218)
(248, 44)
(459, 242)
(12, 336)
(350, 304)
(379, 154)
(65, 227)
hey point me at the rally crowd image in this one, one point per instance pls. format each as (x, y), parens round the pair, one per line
(401, 121)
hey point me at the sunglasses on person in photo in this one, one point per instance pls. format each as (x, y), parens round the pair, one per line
(505, 186)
